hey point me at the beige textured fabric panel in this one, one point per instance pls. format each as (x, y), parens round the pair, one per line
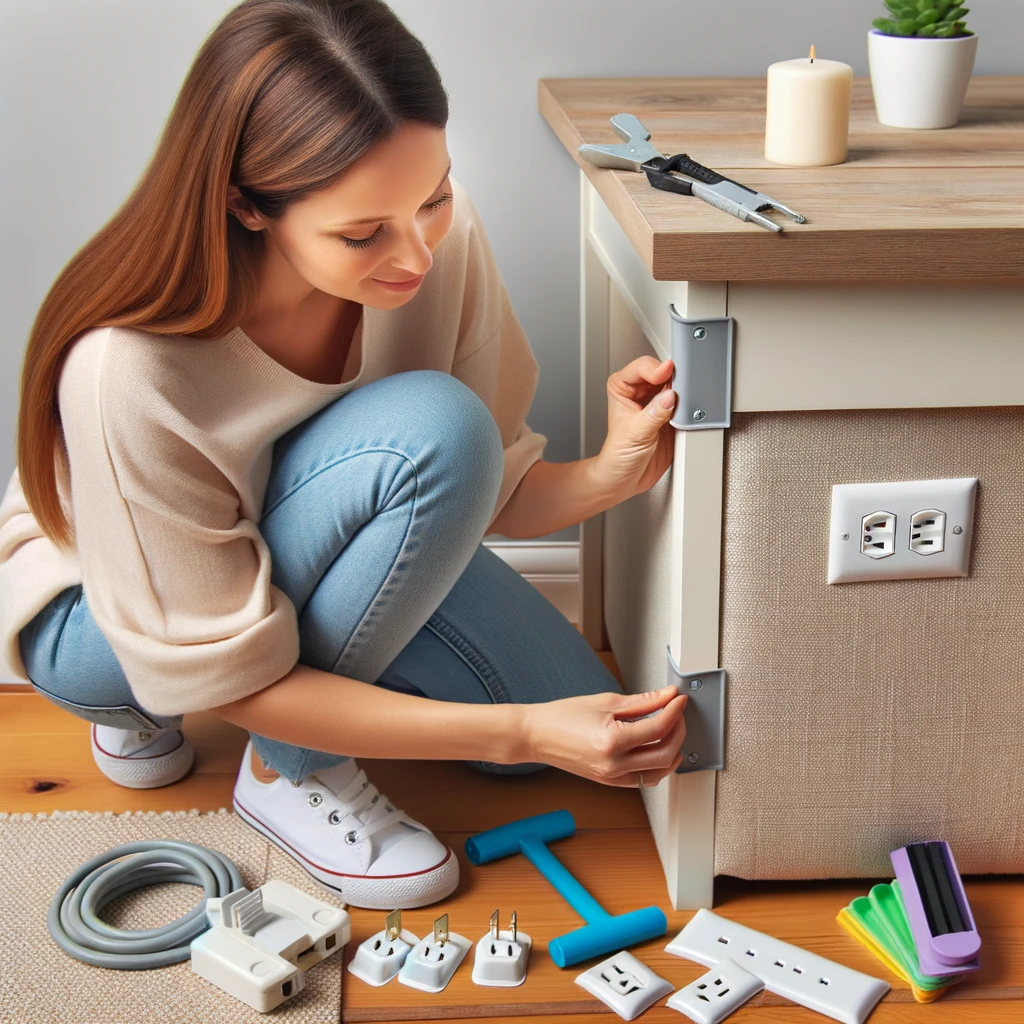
(637, 570)
(863, 716)
(42, 984)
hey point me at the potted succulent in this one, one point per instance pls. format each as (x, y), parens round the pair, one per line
(920, 59)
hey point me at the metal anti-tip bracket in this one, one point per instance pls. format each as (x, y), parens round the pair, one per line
(704, 746)
(702, 352)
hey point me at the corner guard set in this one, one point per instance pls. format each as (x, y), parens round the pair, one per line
(702, 354)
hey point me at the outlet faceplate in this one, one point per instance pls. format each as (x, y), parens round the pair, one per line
(822, 985)
(715, 995)
(625, 984)
(923, 545)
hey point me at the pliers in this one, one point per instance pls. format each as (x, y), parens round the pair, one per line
(637, 154)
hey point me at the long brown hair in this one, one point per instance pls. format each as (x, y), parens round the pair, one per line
(281, 98)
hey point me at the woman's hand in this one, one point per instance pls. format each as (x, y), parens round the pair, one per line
(640, 441)
(602, 737)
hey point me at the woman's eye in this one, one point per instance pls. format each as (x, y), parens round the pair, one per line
(363, 243)
(438, 203)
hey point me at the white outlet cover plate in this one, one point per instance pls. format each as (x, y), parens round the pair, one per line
(821, 985)
(625, 984)
(701, 1001)
(377, 968)
(851, 502)
(432, 975)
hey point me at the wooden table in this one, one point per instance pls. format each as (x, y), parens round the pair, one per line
(904, 290)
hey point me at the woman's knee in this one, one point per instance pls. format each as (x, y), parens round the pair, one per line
(434, 420)
(447, 433)
(444, 409)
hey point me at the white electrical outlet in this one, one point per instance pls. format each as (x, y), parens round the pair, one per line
(928, 532)
(713, 996)
(822, 985)
(625, 984)
(878, 534)
(906, 530)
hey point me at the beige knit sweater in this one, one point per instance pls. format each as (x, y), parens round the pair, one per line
(169, 442)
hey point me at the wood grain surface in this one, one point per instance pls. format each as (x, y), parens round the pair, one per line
(46, 764)
(906, 204)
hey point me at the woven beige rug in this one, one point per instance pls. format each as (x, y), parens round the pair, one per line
(40, 983)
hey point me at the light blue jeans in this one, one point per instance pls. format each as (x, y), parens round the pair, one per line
(374, 514)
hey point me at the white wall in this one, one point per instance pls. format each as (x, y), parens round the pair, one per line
(85, 86)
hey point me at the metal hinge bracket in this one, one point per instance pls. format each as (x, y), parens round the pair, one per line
(704, 746)
(702, 353)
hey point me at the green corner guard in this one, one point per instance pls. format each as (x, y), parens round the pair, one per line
(882, 915)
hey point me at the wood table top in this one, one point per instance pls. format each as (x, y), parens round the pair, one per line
(923, 204)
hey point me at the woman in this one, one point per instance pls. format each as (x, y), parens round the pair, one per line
(268, 413)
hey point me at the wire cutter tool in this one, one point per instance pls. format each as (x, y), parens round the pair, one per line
(637, 154)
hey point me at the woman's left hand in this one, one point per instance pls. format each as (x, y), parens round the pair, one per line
(640, 441)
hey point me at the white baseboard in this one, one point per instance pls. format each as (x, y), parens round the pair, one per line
(553, 567)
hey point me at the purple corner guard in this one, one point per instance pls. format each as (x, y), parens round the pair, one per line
(953, 953)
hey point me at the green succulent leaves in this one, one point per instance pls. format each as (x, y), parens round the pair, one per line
(929, 19)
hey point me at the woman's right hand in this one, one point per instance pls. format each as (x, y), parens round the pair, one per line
(603, 737)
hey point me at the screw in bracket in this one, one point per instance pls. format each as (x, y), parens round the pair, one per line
(699, 333)
(695, 684)
(958, 530)
(693, 758)
(699, 414)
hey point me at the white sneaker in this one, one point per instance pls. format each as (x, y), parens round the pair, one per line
(348, 836)
(141, 759)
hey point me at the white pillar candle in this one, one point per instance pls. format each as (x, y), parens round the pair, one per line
(808, 121)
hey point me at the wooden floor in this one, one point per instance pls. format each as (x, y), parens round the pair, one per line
(46, 764)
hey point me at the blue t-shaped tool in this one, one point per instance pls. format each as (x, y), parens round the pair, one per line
(604, 932)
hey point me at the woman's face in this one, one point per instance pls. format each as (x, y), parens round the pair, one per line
(378, 225)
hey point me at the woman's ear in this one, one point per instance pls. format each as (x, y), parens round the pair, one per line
(246, 214)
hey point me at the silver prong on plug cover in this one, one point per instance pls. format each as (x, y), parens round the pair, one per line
(441, 930)
(393, 925)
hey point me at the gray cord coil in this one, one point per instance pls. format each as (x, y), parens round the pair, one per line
(73, 917)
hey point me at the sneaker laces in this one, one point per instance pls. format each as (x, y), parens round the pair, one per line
(362, 795)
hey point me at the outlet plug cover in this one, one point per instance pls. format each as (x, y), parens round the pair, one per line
(625, 984)
(821, 985)
(430, 966)
(501, 962)
(378, 959)
(713, 996)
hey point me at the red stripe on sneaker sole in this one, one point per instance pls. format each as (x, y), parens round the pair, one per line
(340, 874)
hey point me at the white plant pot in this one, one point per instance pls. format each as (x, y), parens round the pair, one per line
(920, 82)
